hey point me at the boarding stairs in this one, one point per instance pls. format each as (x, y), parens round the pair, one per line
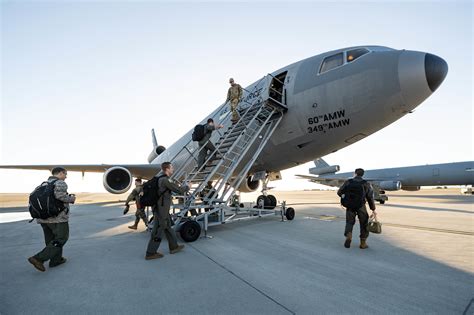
(236, 150)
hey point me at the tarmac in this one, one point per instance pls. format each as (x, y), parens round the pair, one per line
(422, 263)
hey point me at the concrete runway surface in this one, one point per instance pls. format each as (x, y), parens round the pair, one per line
(422, 262)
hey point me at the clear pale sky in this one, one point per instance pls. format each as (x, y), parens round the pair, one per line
(84, 82)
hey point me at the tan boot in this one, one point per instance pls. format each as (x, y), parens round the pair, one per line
(177, 249)
(133, 227)
(347, 243)
(37, 264)
(363, 244)
(154, 256)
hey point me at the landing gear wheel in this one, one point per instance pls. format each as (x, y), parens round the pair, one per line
(190, 231)
(290, 213)
(273, 201)
(382, 202)
(265, 200)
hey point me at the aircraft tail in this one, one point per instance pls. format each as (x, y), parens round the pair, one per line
(320, 163)
(157, 149)
(323, 168)
(153, 138)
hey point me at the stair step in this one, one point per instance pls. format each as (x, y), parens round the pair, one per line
(226, 145)
(220, 145)
(199, 173)
(277, 104)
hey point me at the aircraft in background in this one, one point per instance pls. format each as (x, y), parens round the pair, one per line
(409, 178)
(304, 110)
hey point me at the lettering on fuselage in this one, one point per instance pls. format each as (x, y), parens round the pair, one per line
(252, 95)
(325, 122)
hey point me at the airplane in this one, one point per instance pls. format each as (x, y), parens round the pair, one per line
(322, 104)
(409, 178)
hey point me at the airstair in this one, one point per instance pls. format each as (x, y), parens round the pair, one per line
(236, 150)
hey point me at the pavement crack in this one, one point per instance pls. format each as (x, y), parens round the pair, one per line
(243, 280)
(468, 307)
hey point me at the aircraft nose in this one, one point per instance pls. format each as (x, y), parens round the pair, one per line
(419, 74)
(435, 71)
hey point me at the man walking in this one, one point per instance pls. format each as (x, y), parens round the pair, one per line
(354, 193)
(55, 229)
(204, 144)
(234, 94)
(161, 213)
(140, 213)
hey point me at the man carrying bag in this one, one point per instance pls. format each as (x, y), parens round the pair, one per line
(354, 193)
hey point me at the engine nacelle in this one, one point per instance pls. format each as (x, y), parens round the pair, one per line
(155, 153)
(249, 185)
(324, 170)
(411, 188)
(390, 185)
(117, 180)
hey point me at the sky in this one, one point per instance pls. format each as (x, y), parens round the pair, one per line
(84, 82)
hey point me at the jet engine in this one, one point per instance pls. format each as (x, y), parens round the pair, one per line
(411, 188)
(249, 185)
(390, 185)
(155, 153)
(117, 180)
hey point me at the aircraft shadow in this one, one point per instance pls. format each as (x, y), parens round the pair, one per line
(443, 198)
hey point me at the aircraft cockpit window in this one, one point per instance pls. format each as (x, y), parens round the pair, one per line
(355, 53)
(332, 62)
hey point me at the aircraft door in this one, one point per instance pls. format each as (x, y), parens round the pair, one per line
(277, 89)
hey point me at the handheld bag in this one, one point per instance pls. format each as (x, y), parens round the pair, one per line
(42, 202)
(375, 226)
(150, 194)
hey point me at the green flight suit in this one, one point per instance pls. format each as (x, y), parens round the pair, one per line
(161, 212)
(361, 213)
(206, 146)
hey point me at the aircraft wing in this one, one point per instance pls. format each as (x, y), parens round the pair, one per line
(329, 181)
(338, 181)
(138, 170)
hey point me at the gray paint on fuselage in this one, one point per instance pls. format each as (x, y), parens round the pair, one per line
(367, 90)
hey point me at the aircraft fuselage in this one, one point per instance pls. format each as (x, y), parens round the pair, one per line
(330, 110)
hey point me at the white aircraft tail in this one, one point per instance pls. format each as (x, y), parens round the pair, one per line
(323, 168)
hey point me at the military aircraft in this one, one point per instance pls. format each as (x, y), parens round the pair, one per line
(327, 102)
(409, 178)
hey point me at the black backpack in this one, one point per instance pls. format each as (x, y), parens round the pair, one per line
(150, 193)
(199, 132)
(42, 202)
(353, 195)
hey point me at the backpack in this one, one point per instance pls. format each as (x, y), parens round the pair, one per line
(199, 132)
(353, 196)
(150, 194)
(42, 202)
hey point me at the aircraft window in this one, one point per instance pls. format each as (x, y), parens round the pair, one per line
(332, 62)
(355, 53)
